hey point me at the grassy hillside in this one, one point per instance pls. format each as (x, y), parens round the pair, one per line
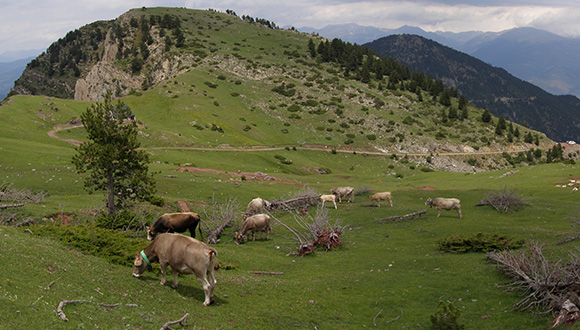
(391, 274)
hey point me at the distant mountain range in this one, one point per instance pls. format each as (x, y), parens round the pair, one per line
(486, 86)
(542, 58)
(11, 66)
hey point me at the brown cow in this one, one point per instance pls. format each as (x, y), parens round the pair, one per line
(257, 222)
(382, 196)
(175, 222)
(185, 255)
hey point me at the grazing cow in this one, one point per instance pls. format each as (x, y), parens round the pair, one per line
(446, 204)
(328, 198)
(185, 255)
(256, 206)
(382, 196)
(174, 222)
(341, 192)
(257, 222)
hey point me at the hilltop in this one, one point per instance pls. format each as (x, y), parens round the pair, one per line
(243, 82)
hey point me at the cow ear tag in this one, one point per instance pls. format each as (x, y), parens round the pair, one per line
(138, 262)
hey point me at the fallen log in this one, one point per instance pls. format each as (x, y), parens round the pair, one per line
(396, 218)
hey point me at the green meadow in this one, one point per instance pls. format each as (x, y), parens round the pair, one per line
(388, 274)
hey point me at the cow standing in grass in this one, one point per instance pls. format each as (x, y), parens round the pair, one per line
(185, 255)
(382, 196)
(175, 223)
(257, 222)
(343, 192)
(328, 198)
(446, 204)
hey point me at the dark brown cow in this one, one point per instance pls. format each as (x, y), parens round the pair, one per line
(185, 255)
(175, 223)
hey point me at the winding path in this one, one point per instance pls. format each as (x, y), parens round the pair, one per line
(62, 127)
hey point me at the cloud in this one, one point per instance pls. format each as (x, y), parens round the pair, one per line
(35, 24)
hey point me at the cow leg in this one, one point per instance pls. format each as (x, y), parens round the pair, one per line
(207, 288)
(174, 284)
(390, 202)
(163, 271)
(334, 205)
(459, 213)
(212, 282)
(438, 213)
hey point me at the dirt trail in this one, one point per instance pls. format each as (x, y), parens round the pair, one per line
(63, 127)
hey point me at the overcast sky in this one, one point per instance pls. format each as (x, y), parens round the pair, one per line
(35, 24)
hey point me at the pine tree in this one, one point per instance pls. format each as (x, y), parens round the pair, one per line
(111, 156)
(486, 116)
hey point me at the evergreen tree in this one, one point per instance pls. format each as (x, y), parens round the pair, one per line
(529, 138)
(486, 116)
(311, 48)
(462, 102)
(464, 113)
(111, 156)
(501, 122)
(452, 113)
(498, 129)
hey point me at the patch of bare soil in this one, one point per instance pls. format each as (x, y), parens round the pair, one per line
(426, 188)
(259, 176)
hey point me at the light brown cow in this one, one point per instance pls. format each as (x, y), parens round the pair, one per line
(446, 204)
(382, 196)
(257, 222)
(185, 255)
(328, 198)
(175, 222)
(342, 192)
(256, 206)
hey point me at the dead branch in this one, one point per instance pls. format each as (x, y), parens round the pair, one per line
(314, 231)
(220, 216)
(2, 207)
(304, 199)
(266, 273)
(546, 285)
(375, 318)
(504, 201)
(180, 321)
(396, 218)
(64, 302)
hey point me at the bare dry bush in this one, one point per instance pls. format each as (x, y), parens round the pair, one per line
(504, 201)
(312, 232)
(548, 286)
(219, 216)
(12, 198)
(299, 202)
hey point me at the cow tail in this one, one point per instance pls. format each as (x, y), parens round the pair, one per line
(212, 253)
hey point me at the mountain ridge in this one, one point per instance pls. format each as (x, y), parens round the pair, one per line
(550, 59)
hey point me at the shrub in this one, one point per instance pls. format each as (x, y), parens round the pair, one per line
(480, 242)
(371, 137)
(446, 317)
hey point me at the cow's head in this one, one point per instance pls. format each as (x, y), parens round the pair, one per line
(150, 234)
(239, 237)
(429, 202)
(140, 264)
